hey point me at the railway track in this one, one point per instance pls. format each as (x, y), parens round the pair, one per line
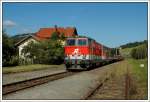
(12, 87)
(92, 92)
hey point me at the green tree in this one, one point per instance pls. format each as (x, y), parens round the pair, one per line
(30, 53)
(55, 36)
(62, 37)
(139, 52)
(56, 52)
(9, 53)
(45, 52)
(133, 53)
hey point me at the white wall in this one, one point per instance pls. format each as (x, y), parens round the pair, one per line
(20, 47)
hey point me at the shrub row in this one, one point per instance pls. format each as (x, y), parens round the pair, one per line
(139, 52)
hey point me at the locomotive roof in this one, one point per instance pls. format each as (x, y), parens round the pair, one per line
(88, 38)
(81, 37)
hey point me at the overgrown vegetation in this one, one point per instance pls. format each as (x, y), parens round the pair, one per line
(44, 52)
(139, 72)
(139, 52)
(9, 56)
(126, 52)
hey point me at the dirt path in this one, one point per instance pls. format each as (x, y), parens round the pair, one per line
(112, 89)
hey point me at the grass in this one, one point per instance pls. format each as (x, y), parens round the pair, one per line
(140, 72)
(126, 51)
(140, 75)
(26, 68)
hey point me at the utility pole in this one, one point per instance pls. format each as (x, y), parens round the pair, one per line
(116, 51)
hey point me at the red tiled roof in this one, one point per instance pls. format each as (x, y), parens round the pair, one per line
(45, 33)
(39, 38)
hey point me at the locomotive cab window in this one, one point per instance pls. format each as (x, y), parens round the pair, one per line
(71, 42)
(82, 42)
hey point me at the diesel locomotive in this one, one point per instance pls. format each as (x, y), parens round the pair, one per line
(84, 53)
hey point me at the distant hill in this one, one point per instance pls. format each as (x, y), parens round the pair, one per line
(126, 49)
(18, 37)
(133, 44)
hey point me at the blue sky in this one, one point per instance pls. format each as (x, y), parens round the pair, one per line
(111, 24)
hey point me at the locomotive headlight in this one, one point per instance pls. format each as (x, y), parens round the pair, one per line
(84, 56)
(67, 57)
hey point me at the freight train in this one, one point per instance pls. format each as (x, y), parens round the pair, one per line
(84, 53)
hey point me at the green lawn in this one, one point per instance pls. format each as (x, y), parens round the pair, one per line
(140, 72)
(140, 75)
(25, 68)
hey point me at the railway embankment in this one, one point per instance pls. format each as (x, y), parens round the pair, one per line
(22, 76)
(128, 81)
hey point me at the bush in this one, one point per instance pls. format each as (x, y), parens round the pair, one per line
(45, 52)
(14, 61)
(139, 52)
(8, 51)
(26, 61)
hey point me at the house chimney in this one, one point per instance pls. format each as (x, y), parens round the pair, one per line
(56, 28)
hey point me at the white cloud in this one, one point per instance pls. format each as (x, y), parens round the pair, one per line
(9, 23)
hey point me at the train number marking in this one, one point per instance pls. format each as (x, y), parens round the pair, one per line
(76, 51)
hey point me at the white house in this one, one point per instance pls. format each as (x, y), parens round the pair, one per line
(24, 42)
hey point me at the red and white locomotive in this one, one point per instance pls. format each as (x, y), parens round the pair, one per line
(85, 53)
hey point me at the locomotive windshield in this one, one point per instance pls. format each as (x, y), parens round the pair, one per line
(81, 42)
(71, 42)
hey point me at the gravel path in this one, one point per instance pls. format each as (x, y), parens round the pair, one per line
(77, 86)
(111, 90)
(114, 88)
(15, 77)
